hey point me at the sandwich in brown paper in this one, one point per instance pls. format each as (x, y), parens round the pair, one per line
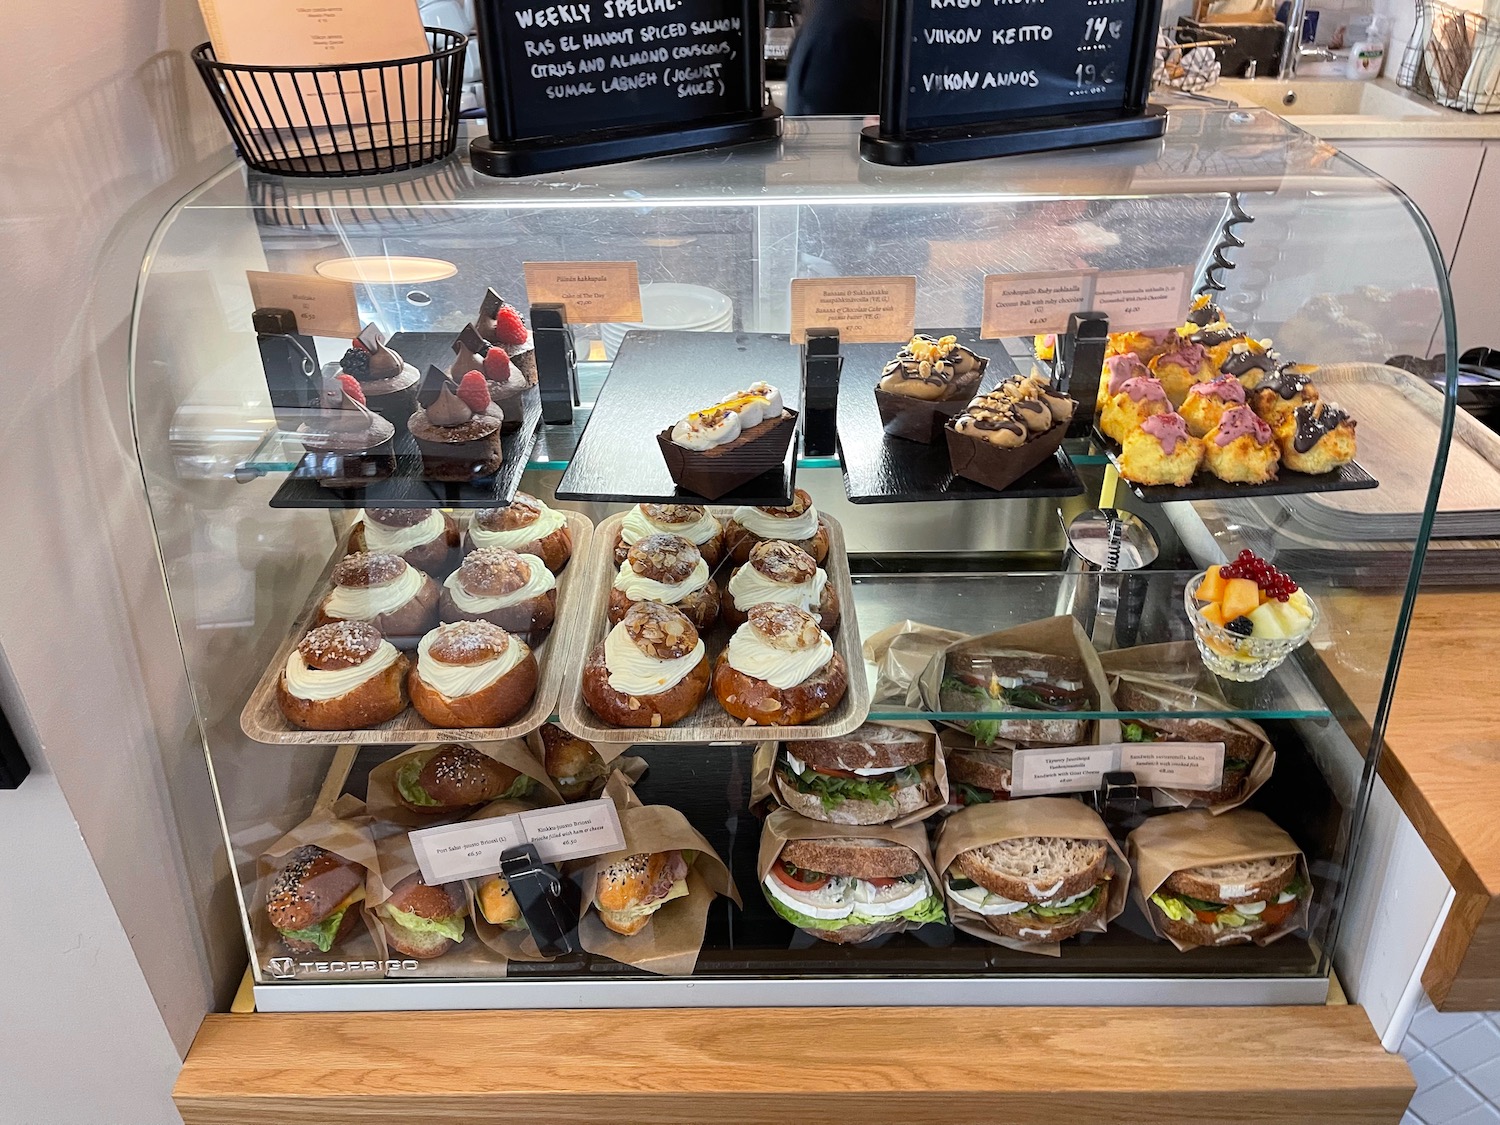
(670, 942)
(959, 678)
(899, 652)
(341, 828)
(784, 825)
(766, 781)
(395, 861)
(1171, 677)
(384, 804)
(612, 754)
(1192, 838)
(1056, 817)
(513, 942)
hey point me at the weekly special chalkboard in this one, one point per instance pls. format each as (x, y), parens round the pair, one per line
(968, 78)
(568, 85)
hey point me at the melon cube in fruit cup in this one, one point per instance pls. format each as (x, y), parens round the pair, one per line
(1241, 597)
(1267, 622)
(1213, 614)
(1211, 589)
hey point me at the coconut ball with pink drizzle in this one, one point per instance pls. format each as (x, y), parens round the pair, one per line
(1207, 402)
(1138, 399)
(1241, 448)
(1161, 451)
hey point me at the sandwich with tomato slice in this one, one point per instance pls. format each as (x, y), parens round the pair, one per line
(977, 775)
(1034, 888)
(1241, 748)
(1034, 690)
(872, 775)
(850, 889)
(1228, 903)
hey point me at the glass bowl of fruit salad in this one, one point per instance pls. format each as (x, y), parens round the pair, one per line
(1247, 617)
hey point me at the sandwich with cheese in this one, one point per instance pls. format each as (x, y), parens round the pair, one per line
(1241, 748)
(873, 775)
(1028, 687)
(629, 891)
(1228, 903)
(1033, 888)
(851, 889)
(314, 900)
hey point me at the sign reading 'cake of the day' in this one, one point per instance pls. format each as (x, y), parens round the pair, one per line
(590, 292)
(980, 60)
(865, 310)
(604, 64)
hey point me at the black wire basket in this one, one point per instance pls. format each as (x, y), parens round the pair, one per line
(357, 119)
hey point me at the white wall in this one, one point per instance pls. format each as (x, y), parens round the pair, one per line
(105, 125)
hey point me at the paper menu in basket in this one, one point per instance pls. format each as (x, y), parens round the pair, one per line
(361, 111)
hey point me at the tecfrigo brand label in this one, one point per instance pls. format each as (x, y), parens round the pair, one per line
(288, 968)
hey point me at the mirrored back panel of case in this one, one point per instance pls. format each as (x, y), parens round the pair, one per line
(1309, 259)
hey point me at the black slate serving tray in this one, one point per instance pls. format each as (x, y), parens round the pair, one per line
(407, 488)
(657, 378)
(879, 469)
(1206, 486)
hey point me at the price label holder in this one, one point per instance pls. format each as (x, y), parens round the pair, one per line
(1041, 770)
(821, 367)
(967, 79)
(568, 85)
(290, 360)
(1080, 365)
(549, 900)
(556, 363)
(472, 849)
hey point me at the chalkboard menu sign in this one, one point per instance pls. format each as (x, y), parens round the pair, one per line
(968, 78)
(596, 81)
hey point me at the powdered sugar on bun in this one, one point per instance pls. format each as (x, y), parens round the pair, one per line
(368, 569)
(668, 559)
(783, 563)
(342, 644)
(785, 627)
(494, 572)
(467, 642)
(659, 631)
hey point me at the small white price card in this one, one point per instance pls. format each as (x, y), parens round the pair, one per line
(1135, 300)
(865, 310)
(473, 848)
(1025, 304)
(324, 306)
(1080, 769)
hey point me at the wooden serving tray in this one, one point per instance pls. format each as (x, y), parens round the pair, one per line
(709, 723)
(263, 721)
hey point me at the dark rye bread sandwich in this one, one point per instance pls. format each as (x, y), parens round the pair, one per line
(422, 921)
(976, 776)
(1033, 888)
(453, 777)
(872, 775)
(1228, 903)
(313, 900)
(1030, 684)
(849, 889)
(1240, 747)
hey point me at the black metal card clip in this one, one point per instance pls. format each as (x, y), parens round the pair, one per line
(556, 363)
(549, 901)
(1080, 365)
(821, 366)
(290, 360)
(1119, 802)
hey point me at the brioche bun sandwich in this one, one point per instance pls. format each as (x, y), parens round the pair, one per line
(422, 921)
(850, 889)
(453, 777)
(314, 900)
(629, 891)
(1228, 903)
(873, 775)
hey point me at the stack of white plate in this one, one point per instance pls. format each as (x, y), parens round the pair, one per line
(677, 308)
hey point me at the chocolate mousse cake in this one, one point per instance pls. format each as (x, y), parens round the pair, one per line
(927, 383)
(456, 427)
(389, 383)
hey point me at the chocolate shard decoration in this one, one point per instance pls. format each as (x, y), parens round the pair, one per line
(371, 338)
(471, 339)
(491, 305)
(432, 386)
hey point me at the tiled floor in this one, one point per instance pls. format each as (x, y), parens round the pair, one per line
(1456, 1060)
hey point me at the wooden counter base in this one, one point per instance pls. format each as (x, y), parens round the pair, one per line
(748, 1066)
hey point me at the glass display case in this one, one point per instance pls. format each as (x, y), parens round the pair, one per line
(1298, 245)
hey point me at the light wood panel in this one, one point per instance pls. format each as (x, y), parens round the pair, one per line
(1442, 763)
(1248, 1066)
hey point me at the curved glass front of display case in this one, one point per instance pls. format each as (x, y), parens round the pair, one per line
(1301, 248)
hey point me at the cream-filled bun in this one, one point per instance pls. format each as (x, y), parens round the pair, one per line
(342, 676)
(779, 669)
(649, 671)
(785, 574)
(527, 526)
(383, 590)
(472, 674)
(693, 523)
(514, 591)
(667, 569)
(424, 537)
(797, 522)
